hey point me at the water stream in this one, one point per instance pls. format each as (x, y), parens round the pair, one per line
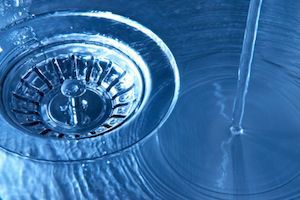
(245, 66)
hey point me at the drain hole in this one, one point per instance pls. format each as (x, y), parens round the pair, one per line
(72, 96)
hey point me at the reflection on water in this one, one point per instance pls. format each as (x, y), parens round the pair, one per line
(194, 155)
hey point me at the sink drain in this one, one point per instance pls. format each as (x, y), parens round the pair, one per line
(72, 96)
(85, 85)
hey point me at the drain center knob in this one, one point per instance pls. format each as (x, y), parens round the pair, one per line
(73, 88)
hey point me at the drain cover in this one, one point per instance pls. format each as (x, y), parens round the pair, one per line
(72, 96)
(81, 91)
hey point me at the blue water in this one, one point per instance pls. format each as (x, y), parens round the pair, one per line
(193, 155)
(245, 66)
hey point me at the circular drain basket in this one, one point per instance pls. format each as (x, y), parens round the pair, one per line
(82, 85)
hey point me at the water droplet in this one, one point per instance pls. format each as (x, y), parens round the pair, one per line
(23, 35)
(63, 108)
(84, 104)
(7, 3)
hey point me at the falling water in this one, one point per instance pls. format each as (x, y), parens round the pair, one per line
(245, 66)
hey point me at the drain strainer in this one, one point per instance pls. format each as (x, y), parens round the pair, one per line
(73, 96)
(77, 92)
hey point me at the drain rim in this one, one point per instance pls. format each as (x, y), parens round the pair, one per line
(108, 145)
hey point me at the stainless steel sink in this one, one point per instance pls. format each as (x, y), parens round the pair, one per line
(181, 58)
